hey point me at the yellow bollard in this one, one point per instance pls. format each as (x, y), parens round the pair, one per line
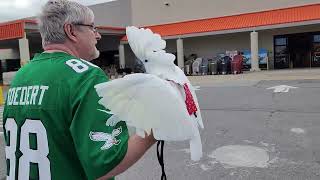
(1, 96)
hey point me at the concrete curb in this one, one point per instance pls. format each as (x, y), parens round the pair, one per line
(297, 74)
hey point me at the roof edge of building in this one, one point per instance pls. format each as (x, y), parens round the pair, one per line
(234, 15)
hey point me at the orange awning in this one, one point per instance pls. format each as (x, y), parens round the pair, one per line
(12, 30)
(248, 20)
(16, 29)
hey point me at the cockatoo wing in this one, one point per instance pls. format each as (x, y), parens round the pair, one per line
(147, 102)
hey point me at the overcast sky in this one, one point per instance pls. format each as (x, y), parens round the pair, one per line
(17, 9)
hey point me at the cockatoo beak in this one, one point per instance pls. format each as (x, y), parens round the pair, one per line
(138, 66)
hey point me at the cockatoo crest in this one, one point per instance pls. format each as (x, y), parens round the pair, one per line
(148, 47)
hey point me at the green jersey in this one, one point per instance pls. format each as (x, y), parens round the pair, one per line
(54, 127)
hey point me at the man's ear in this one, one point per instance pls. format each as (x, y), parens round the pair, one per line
(70, 32)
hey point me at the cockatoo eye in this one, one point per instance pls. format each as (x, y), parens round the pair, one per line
(146, 60)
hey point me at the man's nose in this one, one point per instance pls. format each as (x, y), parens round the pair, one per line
(98, 36)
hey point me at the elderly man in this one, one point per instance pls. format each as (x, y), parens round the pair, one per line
(54, 127)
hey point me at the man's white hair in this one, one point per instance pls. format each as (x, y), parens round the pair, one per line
(55, 14)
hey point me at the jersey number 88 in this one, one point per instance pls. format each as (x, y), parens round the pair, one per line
(29, 155)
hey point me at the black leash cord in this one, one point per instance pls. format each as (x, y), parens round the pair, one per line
(160, 158)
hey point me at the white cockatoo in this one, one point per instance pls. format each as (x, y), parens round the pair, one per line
(162, 100)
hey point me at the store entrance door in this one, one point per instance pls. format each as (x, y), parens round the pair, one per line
(295, 50)
(299, 50)
(315, 59)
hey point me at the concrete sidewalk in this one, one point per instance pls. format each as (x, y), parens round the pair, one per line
(287, 74)
(283, 74)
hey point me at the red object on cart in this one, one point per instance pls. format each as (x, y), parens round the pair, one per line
(236, 64)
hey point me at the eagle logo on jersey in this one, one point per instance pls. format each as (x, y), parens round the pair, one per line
(109, 139)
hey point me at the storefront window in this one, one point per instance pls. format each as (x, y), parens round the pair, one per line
(281, 55)
(281, 50)
(281, 41)
(316, 38)
(316, 51)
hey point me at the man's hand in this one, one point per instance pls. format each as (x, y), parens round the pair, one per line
(137, 146)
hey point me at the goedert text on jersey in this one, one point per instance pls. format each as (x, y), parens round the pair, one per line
(26, 95)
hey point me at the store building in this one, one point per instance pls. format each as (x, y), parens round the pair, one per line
(288, 29)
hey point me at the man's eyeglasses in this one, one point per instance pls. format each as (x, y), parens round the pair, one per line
(93, 27)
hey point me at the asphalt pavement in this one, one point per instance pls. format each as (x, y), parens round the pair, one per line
(258, 125)
(279, 130)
